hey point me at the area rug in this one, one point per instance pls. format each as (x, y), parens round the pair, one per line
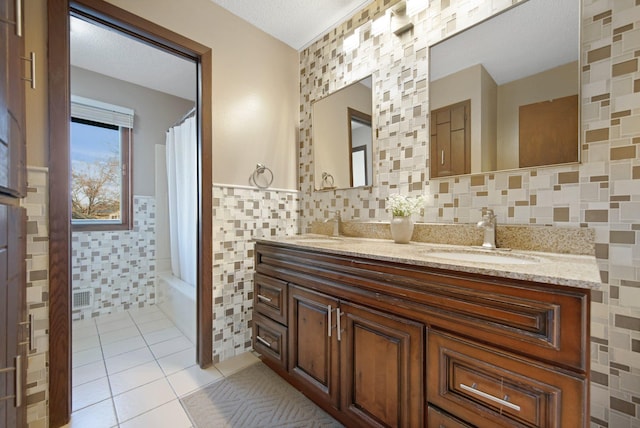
(254, 397)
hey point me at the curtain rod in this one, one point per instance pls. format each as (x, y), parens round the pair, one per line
(185, 117)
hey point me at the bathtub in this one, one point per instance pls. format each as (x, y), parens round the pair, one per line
(177, 299)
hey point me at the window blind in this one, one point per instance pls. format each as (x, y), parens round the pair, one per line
(98, 111)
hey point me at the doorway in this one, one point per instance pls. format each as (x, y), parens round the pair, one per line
(111, 17)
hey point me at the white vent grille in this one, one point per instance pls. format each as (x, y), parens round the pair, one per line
(82, 299)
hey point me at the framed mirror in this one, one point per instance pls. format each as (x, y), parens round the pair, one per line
(505, 93)
(343, 137)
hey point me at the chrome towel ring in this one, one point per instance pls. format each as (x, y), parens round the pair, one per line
(262, 177)
(327, 180)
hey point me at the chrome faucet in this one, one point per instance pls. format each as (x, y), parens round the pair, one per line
(488, 223)
(336, 222)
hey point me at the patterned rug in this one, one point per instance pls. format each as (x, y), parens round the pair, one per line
(254, 397)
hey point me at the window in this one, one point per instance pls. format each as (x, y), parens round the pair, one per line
(100, 166)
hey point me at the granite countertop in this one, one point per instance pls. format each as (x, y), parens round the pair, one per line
(571, 270)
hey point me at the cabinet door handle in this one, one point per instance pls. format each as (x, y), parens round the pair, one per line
(339, 315)
(329, 320)
(18, 381)
(32, 60)
(19, 18)
(263, 298)
(264, 342)
(442, 157)
(30, 325)
(474, 390)
(18, 21)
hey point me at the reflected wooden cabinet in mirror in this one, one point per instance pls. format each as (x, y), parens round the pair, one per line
(377, 343)
(519, 73)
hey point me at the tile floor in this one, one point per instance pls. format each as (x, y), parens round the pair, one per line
(130, 368)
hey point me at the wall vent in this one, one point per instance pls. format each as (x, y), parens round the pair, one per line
(82, 299)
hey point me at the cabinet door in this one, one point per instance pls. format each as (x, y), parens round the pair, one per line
(12, 105)
(12, 314)
(382, 370)
(313, 346)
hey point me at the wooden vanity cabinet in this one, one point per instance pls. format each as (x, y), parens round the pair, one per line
(388, 344)
(363, 363)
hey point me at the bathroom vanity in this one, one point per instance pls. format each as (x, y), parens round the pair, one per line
(386, 335)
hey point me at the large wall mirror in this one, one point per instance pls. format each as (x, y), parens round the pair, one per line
(505, 93)
(343, 137)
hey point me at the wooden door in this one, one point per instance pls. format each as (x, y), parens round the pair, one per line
(548, 132)
(382, 370)
(313, 345)
(451, 140)
(12, 316)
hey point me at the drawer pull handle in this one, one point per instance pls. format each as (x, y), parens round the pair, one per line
(264, 342)
(473, 389)
(263, 298)
(329, 320)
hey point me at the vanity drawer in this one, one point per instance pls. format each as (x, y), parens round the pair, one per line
(439, 419)
(487, 387)
(270, 297)
(270, 340)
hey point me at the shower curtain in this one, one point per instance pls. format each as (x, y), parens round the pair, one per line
(183, 198)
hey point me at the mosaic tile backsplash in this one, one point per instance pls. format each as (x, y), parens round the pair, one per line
(239, 215)
(117, 267)
(602, 193)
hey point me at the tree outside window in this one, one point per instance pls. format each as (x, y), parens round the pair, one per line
(100, 176)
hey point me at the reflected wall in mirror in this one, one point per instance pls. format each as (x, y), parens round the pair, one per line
(518, 72)
(343, 137)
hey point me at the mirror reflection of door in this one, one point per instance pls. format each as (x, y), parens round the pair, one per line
(450, 140)
(360, 139)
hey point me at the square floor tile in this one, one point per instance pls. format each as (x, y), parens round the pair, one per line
(115, 325)
(90, 393)
(84, 330)
(99, 415)
(162, 335)
(171, 346)
(135, 377)
(237, 363)
(178, 361)
(87, 356)
(192, 378)
(122, 346)
(88, 372)
(170, 414)
(155, 325)
(84, 343)
(128, 360)
(118, 335)
(115, 316)
(147, 315)
(141, 400)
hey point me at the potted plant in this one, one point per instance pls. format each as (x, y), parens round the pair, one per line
(402, 207)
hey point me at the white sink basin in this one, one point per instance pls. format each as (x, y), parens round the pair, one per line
(483, 257)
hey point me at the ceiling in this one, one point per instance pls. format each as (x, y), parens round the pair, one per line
(300, 22)
(534, 36)
(110, 53)
(295, 22)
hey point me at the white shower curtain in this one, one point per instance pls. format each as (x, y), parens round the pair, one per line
(183, 198)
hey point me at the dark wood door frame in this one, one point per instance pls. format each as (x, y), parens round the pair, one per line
(59, 173)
